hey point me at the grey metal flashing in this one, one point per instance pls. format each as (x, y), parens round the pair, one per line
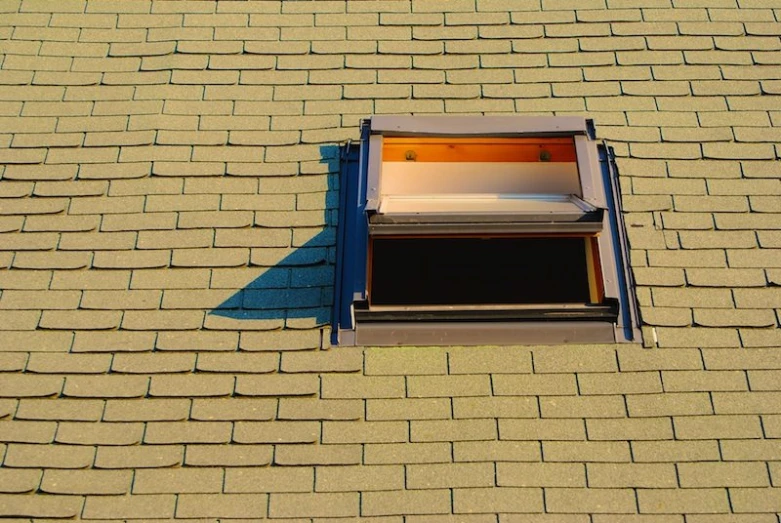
(345, 337)
(592, 216)
(621, 248)
(478, 125)
(482, 333)
(476, 227)
(427, 313)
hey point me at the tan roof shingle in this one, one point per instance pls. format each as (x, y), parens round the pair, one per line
(169, 201)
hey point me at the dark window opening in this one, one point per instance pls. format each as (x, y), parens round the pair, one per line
(478, 271)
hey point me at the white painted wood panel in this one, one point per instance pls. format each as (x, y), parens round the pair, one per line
(410, 178)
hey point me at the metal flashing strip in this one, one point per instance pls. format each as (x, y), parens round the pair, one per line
(352, 234)
(477, 333)
(553, 312)
(628, 321)
(484, 227)
(478, 125)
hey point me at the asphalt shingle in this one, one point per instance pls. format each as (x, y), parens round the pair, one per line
(159, 157)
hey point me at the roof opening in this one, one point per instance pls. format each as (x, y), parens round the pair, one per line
(480, 230)
(479, 271)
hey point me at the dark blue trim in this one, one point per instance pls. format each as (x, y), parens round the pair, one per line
(618, 235)
(591, 130)
(352, 237)
(337, 305)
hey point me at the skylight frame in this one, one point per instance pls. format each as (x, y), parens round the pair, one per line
(365, 219)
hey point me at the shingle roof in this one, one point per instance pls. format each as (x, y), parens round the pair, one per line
(168, 177)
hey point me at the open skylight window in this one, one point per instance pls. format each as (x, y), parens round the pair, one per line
(480, 230)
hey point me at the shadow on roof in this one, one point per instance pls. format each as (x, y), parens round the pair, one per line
(299, 286)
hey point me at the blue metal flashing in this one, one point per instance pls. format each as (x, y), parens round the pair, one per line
(591, 130)
(352, 238)
(628, 306)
